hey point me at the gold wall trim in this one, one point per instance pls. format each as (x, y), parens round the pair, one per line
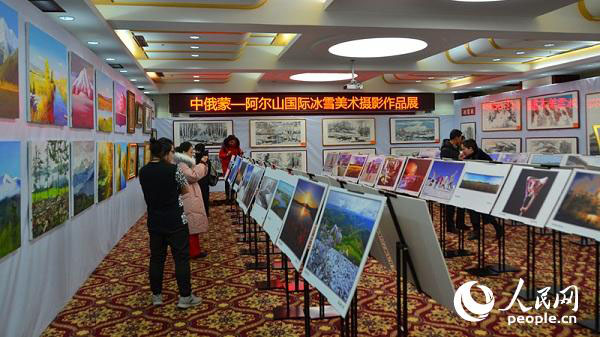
(175, 4)
(585, 12)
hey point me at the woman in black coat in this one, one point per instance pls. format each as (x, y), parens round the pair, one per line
(204, 185)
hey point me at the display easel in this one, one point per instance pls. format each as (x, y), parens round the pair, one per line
(557, 262)
(449, 254)
(256, 265)
(481, 270)
(528, 293)
(502, 267)
(594, 323)
(269, 284)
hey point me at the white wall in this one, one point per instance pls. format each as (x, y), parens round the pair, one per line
(38, 279)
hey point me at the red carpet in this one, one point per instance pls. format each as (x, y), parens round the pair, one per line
(115, 300)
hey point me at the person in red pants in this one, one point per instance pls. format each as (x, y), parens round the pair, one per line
(193, 203)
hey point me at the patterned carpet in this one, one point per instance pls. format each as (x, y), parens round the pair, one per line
(115, 301)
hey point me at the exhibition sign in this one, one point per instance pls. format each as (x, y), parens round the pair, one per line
(240, 104)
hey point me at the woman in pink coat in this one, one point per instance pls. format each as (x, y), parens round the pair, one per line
(193, 205)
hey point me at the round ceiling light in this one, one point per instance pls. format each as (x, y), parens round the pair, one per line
(322, 77)
(378, 47)
(194, 37)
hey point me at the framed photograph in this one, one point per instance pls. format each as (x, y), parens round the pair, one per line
(592, 119)
(209, 133)
(216, 163)
(147, 120)
(442, 181)
(556, 111)
(367, 151)
(502, 115)
(355, 167)
(468, 130)
(494, 145)
(263, 197)
(390, 173)
(348, 131)
(413, 176)
(567, 145)
(131, 112)
(280, 203)
(414, 130)
(278, 133)
(293, 159)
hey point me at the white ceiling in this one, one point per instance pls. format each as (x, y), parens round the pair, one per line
(469, 44)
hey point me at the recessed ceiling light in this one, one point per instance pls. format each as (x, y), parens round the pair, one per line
(195, 55)
(122, 71)
(496, 60)
(194, 37)
(321, 77)
(520, 53)
(430, 78)
(93, 43)
(196, 76)
(140, 87)
(194, 47)
(418, 81)
(478, 87)
(110, 59)
(378, 47)
(549, 45)
(133, 80)
(196, 80)
(146, 92)
(66, 18)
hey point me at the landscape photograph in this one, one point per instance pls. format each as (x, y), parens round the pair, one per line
(281, 199)
(530, 192)
(330, 160)
(295, 160)
(481, 182)
(390, 172)
(245, 181)
(302, 215)
(546, 159)
(105, 170)
(9, 62)
(131, 161)
(493, 145)
(257, 174)
(414, 175)
(355, 166)
(10, 198)
(121, 166)
(552, 145)
(240, 173)
(278, 133)
(82, 93)
(209, 133)
(345, 227)
(371, 170)
(515, 158)
(582, 201)
(104, 101)
(350, 131)
(49, 183)
(442, 180)
(342, 163)
(48, 77)
(414, 130)
(265, 192)
(83, 168)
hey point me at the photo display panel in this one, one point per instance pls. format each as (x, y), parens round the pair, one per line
(355, 167)
(279, 204)
(265, 194)
(413, 176)
(251, 188)
(342, 164)
(514, 158)
(300, 219)
(577, 210)
(390, 173)
(233, 170)
(371, 171)
(530, 194)
(433, 153)
(330, 162)
(240, 174)
(495, 156)
(244, 183)
(344, 235)
(442, 180)
(480, 185)
(546, 159)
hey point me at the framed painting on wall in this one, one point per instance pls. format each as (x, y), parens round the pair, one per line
(120, 98)
(494, 145)
(9, 63)
(139, 116)
(502, 115)
(592, 113)
(131, 113)
(131, 161)
(83, 171)
(468, 130)
(414, 130)
(147, 120)
(284, 159)
(367, 151)
(209, 133)
(104, 102)
(556, 111)
(82, 93)
(348, 131)
(567, 145)
(278, 133)
(106, 164)
(10, 197)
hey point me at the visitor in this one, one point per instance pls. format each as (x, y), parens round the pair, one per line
(472, 152)
(162, 184)
(230, 148)
(204, 183)
(193, 204)
(451, 150)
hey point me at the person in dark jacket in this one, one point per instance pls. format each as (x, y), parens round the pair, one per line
(472, 152)
(204, 185)
(451, 150)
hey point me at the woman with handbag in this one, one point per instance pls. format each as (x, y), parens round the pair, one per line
(211, 179)
(193, 205)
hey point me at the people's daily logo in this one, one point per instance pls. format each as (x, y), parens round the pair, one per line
(464, 300)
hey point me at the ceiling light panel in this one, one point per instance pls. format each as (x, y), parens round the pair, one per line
(322, 77)
(212, 47)
(236, 38)
(377, 47)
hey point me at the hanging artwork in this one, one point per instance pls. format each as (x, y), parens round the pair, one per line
(131, 112)
(131, 161)
(442, 181)
(106, 162)
(577, 210)
(147, 120)
(83, 175)
(468, 130)
(9, 63)
(497, 145)
(82, 93)
(405, 151)
(479, 186)
(104, 102)
(567, 145)
(120, 166)
(300, 219)
(147, 153)
(278, 133)
(10, 196)
(210, 133)
(414, 130)
(280, 204)
(502, 115)
(49, 185)
(592, 109)
(293, 159)
(139, 114)
(48, 78)
(529, 194)
(371, 171)
(344, 235)
(140, 157)
(263, 197)
(390, 173)
(413, 176)
(556, 111)
(120, 98)
(348, 131)
(355, 167)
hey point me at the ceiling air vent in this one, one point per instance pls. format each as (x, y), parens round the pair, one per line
(160, 74)
(139, 39)
(47, 6)
(116, 65)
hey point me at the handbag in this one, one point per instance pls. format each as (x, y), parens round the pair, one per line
(213, 177)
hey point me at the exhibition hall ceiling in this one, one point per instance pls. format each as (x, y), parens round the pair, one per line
(241, 45)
